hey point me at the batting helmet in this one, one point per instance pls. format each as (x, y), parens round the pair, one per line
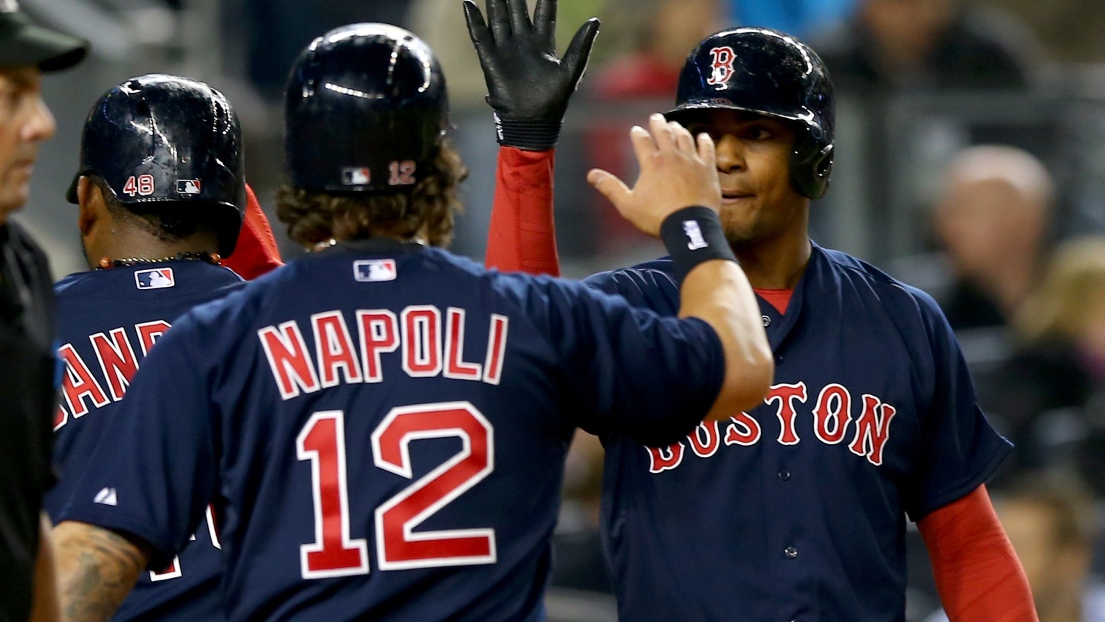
(166, 139)
(766, 72)
(365, 111)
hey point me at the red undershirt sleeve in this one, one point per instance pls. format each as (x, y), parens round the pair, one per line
(256, 252)
(522, 236)
(977, 572)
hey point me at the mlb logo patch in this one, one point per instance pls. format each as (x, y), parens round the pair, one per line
(157, 278)
(355, 176)
(188, 186)
(374, 270)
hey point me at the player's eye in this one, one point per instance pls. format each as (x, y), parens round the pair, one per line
(758, 132)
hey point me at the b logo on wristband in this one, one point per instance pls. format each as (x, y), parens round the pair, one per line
(695, 240)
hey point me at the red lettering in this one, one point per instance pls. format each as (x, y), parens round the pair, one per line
(79, 384)
(149, 332)
(662, 459)
(455, 367)
(335, 349)
(872, 430)
(287, 354)
(705, 439)
(379, 333)
(117, 360)
(743, 430)
(786, 394)
(496, 345)
(832, 414)
(421, 341)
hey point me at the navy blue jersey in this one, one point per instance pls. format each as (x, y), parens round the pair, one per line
(796, 510)
(382, 430)
(107, 321)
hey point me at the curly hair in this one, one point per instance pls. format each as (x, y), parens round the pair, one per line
(427, 210)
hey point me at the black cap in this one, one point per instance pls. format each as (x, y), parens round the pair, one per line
(24, 43)
(158, 139)
(365, 111)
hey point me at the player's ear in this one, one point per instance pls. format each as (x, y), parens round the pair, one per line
(91, 202)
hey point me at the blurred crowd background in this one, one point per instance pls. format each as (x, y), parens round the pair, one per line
(970, 162)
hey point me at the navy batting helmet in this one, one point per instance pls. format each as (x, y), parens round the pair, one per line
(767, 72)
(166, 139)
(365, 111)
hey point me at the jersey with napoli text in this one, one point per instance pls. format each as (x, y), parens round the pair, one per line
(107, 322)
(382, 429)
(796, 509)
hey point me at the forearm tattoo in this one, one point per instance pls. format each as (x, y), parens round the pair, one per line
(97, 569)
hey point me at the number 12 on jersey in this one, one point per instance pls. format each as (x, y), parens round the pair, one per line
(334, 553)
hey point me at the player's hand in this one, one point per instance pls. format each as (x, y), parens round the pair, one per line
(527, 85)
(676, 172)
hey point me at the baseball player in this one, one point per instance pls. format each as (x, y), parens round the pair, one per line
(795, 509)
(161, 191)
(381, 426)
(27, 317)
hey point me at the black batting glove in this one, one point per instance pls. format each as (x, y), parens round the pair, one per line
(527, 85)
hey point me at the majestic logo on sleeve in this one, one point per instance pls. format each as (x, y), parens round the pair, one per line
(721, 65)
(832, 423)
(158, 278)
(107, 496)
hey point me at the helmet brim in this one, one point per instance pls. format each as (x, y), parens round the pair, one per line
(723, 104)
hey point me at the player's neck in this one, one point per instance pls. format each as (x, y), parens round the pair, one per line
(777, 263)
(150, 248)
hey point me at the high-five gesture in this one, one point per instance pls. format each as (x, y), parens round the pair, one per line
(675, 173)
(528, 85)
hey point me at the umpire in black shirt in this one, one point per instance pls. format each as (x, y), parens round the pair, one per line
(27, 361)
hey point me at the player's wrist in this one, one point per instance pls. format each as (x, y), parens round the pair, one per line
(527, 134)
(694, 235)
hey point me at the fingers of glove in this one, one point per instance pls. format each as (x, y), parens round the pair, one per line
(643, 145)
(706, 150)
(661, 131)
(477, 28)
(544, 18)
(579, 50)
(683, 139)
(519, 16)
(499, 17)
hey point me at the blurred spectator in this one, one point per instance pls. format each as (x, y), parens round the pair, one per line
(656, 35)
(440, 23)
(992, 219)
(1070, 29)
(1052, 522)
(1044, 394)
(801, 18)
(918, 44)
(279, 29)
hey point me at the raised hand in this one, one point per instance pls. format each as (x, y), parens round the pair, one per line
(528, 85)
(675, 173)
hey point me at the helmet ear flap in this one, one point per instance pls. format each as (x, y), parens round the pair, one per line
(810, 168)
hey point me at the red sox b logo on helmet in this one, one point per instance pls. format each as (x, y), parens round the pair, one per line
(721, 65)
